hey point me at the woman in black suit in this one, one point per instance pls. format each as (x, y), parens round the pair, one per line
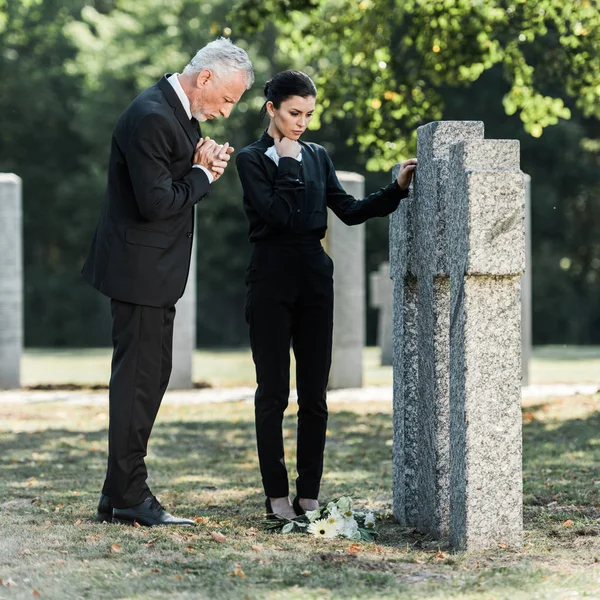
(288, 185)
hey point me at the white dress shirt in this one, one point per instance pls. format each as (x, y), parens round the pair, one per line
(185, 102)
(272, 154)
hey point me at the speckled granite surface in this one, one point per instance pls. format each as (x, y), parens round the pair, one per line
(456, 251)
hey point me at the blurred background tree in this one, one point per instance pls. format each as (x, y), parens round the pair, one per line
(529, 70)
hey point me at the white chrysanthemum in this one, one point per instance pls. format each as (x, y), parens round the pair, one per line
(313, 515)
(344, 505)
(321, 528)
(349, 529)
(369, 520)
(335, 518)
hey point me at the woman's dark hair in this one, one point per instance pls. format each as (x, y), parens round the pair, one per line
(285, 85)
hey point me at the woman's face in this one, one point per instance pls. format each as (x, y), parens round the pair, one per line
(293, 115)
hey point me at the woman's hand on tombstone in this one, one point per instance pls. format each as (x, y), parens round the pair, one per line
(287, 148)
(405, 175)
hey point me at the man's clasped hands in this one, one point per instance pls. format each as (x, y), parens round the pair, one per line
(213, 156)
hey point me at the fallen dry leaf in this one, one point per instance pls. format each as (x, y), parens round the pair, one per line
(36, 594)
(78, 522)
(217, 536)
(136, 524)
(199, 519)
(251, 531)
(8, 582)
(178, 577)
(306, 572)
(239, 573)
(257, 548)
(189, 548)
(502, 545)
(568, 523)
(353, 549)
(441, 555)
(60, 562)
(115, 548)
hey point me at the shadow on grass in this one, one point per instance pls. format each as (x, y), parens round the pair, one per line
(210, 465)
(561, 460)
(192, 456)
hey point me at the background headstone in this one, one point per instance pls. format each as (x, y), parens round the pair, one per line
(346, 246)
(381, 299)
(526, 289)
(184, 331)
(11, 281)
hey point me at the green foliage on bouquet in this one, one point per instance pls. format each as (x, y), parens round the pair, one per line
(335, 520)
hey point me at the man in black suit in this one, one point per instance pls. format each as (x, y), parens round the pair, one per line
(159, 169)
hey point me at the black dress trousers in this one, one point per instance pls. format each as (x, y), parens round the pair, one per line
(141, 367)
(290, 301)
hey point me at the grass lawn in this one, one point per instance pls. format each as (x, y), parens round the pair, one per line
(202, 464)
(229, 368)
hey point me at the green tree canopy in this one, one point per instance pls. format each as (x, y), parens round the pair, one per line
(385, 61)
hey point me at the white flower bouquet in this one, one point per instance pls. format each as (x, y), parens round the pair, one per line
(336, 519)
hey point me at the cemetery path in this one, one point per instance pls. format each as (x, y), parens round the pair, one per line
(246, 394)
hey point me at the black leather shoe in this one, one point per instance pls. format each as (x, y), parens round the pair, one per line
(105, 509)
(270, 514)
(149, 513)
(297, 508)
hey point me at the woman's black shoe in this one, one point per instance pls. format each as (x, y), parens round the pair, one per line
(297, 508)
(270, 514)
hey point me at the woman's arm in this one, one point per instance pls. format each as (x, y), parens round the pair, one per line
(275, 201)
(352, 211)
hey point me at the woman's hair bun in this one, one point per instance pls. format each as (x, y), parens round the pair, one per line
(267, 87)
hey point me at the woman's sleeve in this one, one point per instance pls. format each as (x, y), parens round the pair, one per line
(352, 211)
(275, 201)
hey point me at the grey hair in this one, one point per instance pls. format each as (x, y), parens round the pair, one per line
(223, 58)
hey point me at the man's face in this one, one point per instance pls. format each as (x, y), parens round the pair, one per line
(212, 97)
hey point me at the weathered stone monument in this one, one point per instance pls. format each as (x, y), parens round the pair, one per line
(457, 254)
(184, 331)
(346, 246)
(381, 298)
(11, 281)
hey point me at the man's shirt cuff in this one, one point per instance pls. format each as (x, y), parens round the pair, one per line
(208, 173)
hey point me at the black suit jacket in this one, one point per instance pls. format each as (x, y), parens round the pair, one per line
(142, 246)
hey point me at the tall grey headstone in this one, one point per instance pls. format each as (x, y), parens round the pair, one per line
(346, 246)
(11, 281)
(419, 269)
(381, 298)
(424, 257)
(486, 233)
(184, 331)
(526, 287)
